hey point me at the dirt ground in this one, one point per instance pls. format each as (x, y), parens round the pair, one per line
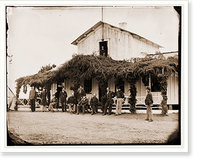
(64, 128)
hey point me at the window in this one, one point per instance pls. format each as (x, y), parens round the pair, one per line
(103, 48)
(155, 85)
(88, 86)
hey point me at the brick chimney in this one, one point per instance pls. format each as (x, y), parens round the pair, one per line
(123, 25)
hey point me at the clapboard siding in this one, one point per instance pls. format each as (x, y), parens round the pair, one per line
(172, 89)
(121, 44)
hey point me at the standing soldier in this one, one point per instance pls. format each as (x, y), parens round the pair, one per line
(149, 103)
(43, 100)
(109, 101)
(120, 96)
(62, 99)
(32, 97)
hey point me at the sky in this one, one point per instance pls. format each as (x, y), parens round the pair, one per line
(38, 36)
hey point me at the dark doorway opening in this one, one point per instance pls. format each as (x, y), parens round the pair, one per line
(120, 84)
(88, 86)
(103, 48)
(59, 88)
(155, 85)
(102, 93)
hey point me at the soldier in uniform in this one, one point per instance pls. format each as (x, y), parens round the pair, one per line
(63, 99)
(109, 101)
(32, 97)
(149, 103)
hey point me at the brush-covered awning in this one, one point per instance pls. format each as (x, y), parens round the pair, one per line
(82, 67)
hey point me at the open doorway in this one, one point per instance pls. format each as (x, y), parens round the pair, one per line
(103, 48)
(119, 82)
(102, 93)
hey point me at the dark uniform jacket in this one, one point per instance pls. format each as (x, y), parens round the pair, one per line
(94, 101)
(149, 99)
(109, 95)
(120, 94)
(32, 94)
(72, 100)
(62, 96)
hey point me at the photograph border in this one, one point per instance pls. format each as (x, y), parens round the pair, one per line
(128, 148)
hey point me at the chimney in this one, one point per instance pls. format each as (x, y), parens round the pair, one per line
(123, 25)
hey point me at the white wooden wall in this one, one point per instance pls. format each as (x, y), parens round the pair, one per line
(172, 90)
(121, 44)
(53, 89)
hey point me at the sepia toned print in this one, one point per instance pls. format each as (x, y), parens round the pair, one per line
(99, 75)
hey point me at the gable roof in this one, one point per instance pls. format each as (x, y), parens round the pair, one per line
(75, 42)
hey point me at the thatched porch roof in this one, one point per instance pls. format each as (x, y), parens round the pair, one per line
(82, 67)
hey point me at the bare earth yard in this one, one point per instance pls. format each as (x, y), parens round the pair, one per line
(63, 128)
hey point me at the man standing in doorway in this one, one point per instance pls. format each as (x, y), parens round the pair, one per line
(149, 103)
(32, 97)
(62, 99)
(103, 51)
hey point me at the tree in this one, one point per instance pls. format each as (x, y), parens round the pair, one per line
(46, 68)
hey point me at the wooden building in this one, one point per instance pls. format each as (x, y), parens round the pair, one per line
(119, 44)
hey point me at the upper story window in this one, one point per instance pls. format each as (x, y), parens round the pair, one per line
(103, 48)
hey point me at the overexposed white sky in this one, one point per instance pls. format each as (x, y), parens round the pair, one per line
(38, 36)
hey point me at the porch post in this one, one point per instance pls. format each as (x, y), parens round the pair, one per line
(149, 80)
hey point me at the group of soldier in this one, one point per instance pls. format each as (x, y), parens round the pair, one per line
(78, 102)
